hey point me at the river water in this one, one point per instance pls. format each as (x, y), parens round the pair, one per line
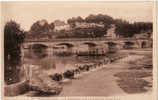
(49, 61)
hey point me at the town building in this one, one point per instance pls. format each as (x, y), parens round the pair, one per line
(147, 34)
(62, 27)
(87, 25)
(111, 32)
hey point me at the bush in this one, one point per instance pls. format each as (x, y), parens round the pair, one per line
(68, 74)
(56, 77)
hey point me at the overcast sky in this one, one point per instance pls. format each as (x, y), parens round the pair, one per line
(26, 13)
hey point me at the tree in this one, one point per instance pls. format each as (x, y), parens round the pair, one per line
(126, 29)
(59, 22)
(79, 19)
(72, 21)
(42, 29)
(100, 18)
(13, 38)
(75, 19)
(51, 30)
(51, 26)
(39, 27)
(123, 28)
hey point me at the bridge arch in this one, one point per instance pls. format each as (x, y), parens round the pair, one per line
(69, 45)
(34, 45)
(110, 44)
(90, 44)
(143, 44)
(128, 45)
(37, 46)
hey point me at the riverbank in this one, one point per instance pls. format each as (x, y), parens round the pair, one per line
(83, 71)
(108, 80)
(101, 82)
(138, 76)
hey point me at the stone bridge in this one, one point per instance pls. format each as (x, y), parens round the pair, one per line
(92, 42)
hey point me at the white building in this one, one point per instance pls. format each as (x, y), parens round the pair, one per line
(62, 27)
(87, 25)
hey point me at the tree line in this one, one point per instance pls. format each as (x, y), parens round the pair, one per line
(126, 29)
(123, 28)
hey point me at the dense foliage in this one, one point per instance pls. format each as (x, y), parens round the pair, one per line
(13, 38)
(75, 19)
(41, 28)
(100, 18)
(126, 29)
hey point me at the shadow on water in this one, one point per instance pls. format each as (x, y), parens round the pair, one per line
(36, 53)
(13, 71)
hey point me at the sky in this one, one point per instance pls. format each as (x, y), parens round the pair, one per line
(26, 13)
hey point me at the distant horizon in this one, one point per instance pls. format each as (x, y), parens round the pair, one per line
(27, 13)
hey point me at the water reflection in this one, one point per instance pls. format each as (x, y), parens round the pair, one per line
(13, 71)
(49, 61)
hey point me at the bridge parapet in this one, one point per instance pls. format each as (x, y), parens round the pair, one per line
(86, 39)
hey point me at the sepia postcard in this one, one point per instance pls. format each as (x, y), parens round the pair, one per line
(78, 50)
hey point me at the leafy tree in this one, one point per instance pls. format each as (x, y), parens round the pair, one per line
(79, 19)
(41, 29)
(91, 18)
(58, 22)
(51, 26)
(126, 29)
(75, 19)
(100, 18)
(142, 26)
(13, 38)
(122, 28)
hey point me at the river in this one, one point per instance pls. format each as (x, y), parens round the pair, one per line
(49, 61)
